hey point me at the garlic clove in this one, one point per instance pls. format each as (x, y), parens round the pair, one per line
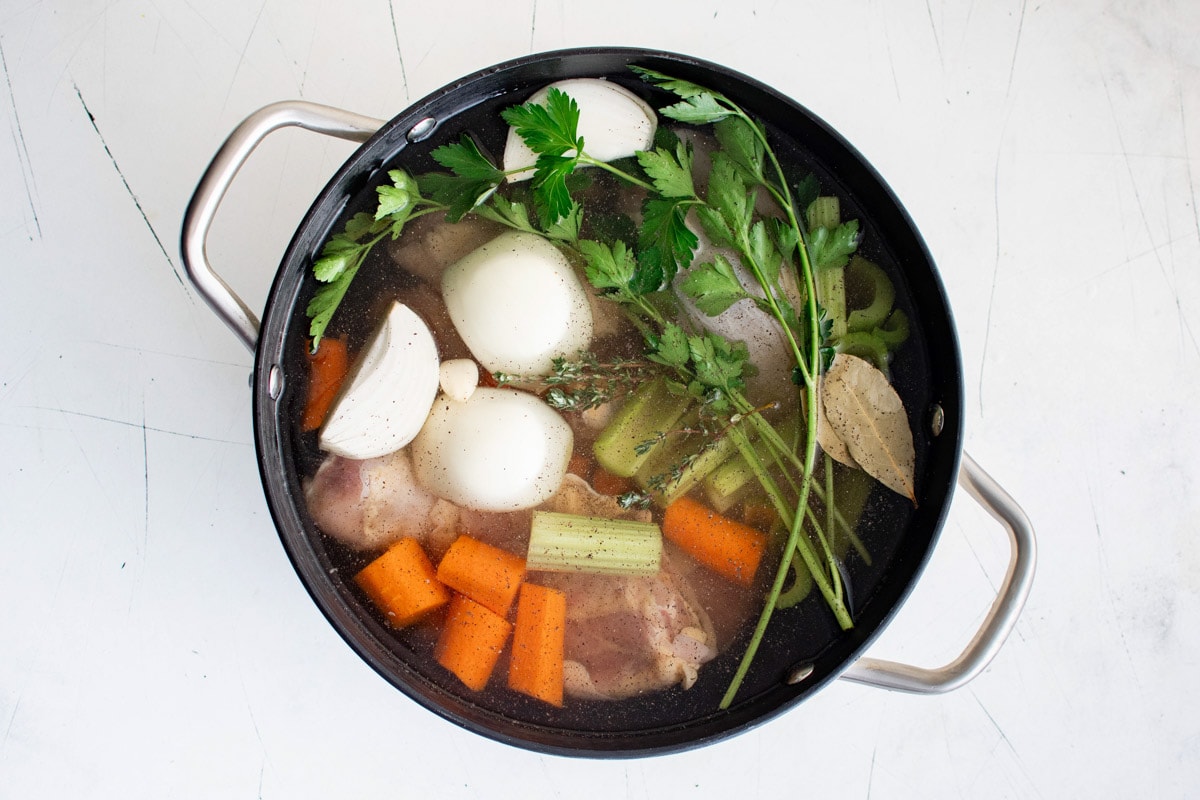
(613, 121)
(390, 390)
(458, 378)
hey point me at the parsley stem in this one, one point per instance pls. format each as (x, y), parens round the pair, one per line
(584, 158)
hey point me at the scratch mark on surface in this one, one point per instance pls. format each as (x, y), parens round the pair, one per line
(1003, 737)
(987, 328)
(22, 149)
(8, 728)
(532, 25)
(937, 43)
(1185, 326)
(1012, 67)
(871, 769)
(399, 55)
(145, 481)
(92, 119)
(139, 425)
(242, 55)
(1188, 162)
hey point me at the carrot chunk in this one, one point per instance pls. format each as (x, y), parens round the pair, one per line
(488, 575)
(402, 583)
(605, 482)
(724, 545)
(327, 370)
(536, 668)
(471, 641)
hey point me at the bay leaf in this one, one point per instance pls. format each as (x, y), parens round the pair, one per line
(868, 415)
(830, 442)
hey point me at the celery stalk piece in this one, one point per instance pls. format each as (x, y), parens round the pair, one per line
(824, 212)
(683, 469)
(652, 411)
(883, 295)
(572, 543)
(733, 478)
(831, 292)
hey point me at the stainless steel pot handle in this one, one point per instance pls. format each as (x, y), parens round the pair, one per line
(1000, 619)
(220, 173)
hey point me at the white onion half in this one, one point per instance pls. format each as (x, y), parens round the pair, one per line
(389, 392)
(502, 450)
(613, 121)
(517, 303)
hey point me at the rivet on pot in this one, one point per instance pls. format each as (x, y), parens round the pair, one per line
(422, 129)
(937, 419)
(798, 674)
(275, 382)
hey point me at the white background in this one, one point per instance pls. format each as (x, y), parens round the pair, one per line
(154, 640)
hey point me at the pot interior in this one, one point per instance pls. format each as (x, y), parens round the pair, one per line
(898, 535)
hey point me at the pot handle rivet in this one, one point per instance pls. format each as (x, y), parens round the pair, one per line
(275, 382)
(422, 130)
(1001, 618)
(197, 221)
(937, 419)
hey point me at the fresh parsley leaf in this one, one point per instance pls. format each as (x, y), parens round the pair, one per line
(671, 348)
(719, 363)
(713, 285)
(670, 171)
(609, 268)
(325, 301)
(362, 224)
(551, 128)
(566, 228)
(829, 248)
(665, 232)
(459, 195)
(679, 87)
(807, 190)
(697, 109)
(743, 145)
(764, 253)
(786, 238)
(715, 227)
(338, 254)
(727, 194)
(550, 192)
(506, 212)
(465, 160)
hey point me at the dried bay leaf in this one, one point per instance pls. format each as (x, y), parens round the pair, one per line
(866, 413)
(830, 442)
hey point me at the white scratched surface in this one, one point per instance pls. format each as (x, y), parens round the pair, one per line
(154, 640)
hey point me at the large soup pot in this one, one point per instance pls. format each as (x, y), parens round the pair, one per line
(803, 650)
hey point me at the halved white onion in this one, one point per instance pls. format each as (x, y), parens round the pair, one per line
(390, 390)
(613, 121)
(501, 450)
(517, 303)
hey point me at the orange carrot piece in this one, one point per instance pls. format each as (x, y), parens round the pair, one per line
(471, 641)
(724, 545)
(402, 583)
(327, 370)
(539, 640)
(578, 465)
(607, 483)
(488, 575)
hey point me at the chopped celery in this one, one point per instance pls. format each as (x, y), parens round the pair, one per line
(649, 413)
(732, 479)
(894, 331)
(573, 543)
(866, 346)
(881, 292)
(678, 466)
(831, 292)
(824, 212)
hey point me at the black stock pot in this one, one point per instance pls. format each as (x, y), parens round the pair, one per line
(802, 652)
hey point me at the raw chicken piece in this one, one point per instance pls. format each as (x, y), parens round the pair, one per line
(631, 635)
(370, 504)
